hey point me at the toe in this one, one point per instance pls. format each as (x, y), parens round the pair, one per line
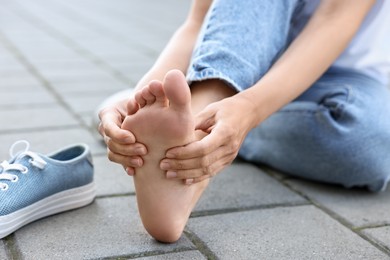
(177, 90)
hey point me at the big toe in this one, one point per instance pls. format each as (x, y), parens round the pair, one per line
(177, 90)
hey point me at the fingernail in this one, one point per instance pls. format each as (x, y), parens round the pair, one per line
(130, 171)
(170, 155)
(129, 140)
(189, 181)
(164, 166)
(136, 162)
(171, 175)
(140, 151)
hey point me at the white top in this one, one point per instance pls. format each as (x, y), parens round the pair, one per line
(369, 50)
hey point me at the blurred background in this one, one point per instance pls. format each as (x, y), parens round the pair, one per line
(76, 52)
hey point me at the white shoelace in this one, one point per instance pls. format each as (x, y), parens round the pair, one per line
(5, 166)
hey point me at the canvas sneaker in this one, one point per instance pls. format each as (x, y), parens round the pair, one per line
(33, 186)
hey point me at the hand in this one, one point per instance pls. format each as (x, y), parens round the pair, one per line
(224, 126)
(121, 144)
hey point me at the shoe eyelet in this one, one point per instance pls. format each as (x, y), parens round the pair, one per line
(4, 187)
(15, 179)
(25, 170)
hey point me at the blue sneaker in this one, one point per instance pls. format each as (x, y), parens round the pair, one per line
(33, 186)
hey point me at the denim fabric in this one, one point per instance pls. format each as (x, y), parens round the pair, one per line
(240, 40)
(338, 131)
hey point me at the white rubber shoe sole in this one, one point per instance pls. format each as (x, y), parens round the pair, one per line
(59, 202)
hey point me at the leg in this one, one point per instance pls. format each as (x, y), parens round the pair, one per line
(165, 119)
(336, 132)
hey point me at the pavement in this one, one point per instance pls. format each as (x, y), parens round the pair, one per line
(60, 58)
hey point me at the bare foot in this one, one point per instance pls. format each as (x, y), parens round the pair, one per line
(164, 120)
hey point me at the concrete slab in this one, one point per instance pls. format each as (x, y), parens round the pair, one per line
(3, 254)
(356, 206)
(380, 234)
(85, 104)
(110, 227)
(111, 178)
(36, 117)
(89, 87)
(243, 185)
(11, 98)
(187, 255)
(302, 232)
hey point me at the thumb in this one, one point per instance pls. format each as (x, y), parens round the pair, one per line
(205, 120)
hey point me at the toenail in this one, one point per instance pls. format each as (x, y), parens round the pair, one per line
(171, 175)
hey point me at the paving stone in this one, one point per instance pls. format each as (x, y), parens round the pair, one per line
(85, 104)
(11, 98)
(3, 254)
(302, 232)
(111, 178)
(109, 227)
(357, 206)
(187, 255)
(48, 141)
(16, 81)
(381, 235)
(89, 87)
(36, 117)
(243, 185)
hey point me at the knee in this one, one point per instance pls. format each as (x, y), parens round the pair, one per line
(366, 163)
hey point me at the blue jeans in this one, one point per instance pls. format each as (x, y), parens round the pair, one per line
(338, 131)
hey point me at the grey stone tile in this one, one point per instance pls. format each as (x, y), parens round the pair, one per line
(381, 235)
(3, 254)
(111, 178)
(243, 185)
(18, 81)
(85, 104)
(29, 87)
(11, 98)
(48, 141)
(187, 255)
(89, 87)
(37, 117)
(81, 78)
(107, 228)
(302, 232)
(357, 206)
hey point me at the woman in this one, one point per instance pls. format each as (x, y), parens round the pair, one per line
(297, 85)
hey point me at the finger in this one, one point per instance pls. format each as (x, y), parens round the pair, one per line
(136, 149)
(205, 119)
(130, 171)
(195, 174)
(200, 179)
(126, 161)
(199, 148)
(194, 163)
(110, 126)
